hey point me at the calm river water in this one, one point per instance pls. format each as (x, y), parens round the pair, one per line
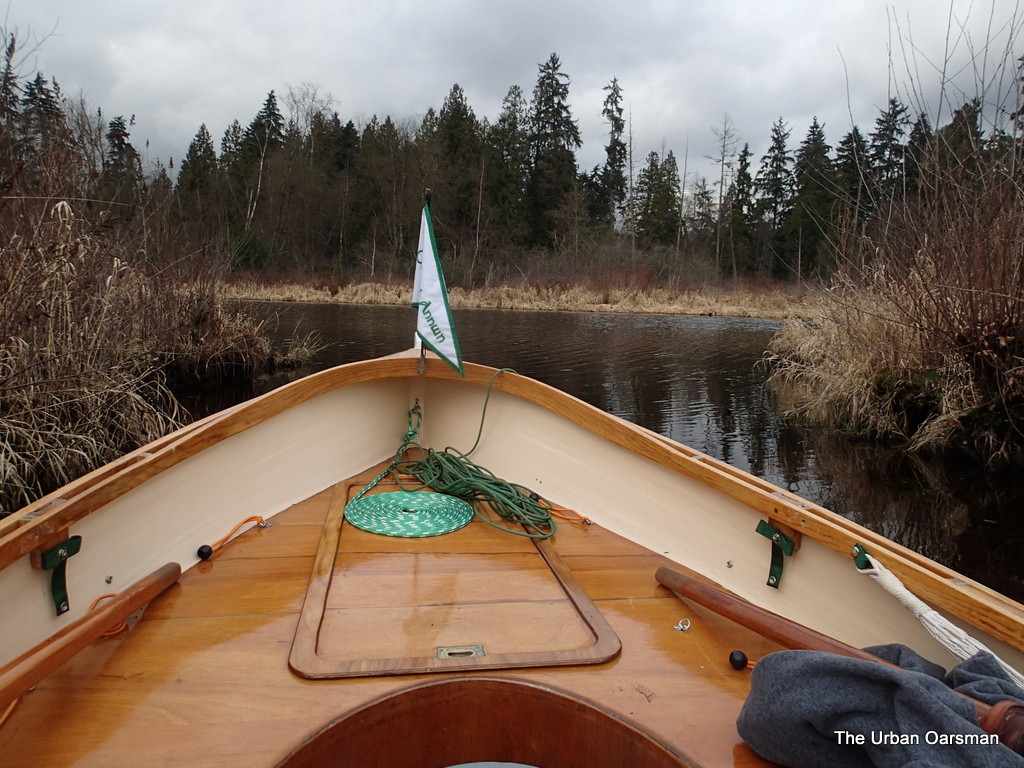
(698, 380)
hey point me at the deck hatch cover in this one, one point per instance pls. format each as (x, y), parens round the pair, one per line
(380, 605)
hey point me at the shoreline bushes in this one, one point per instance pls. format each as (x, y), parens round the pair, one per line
(921, 337)
(92, 340)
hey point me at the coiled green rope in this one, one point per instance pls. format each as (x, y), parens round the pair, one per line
(453, 474)
(409, 514)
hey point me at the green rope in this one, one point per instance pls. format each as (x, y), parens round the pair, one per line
(453, 474)
(409, 515)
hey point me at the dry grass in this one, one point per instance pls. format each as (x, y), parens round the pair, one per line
(77, 388)
(91, 334)
(859, 368)
(739, 302)
(924, 339)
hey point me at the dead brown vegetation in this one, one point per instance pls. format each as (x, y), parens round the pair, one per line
(921, 336)
(736, 301)
(92, 337)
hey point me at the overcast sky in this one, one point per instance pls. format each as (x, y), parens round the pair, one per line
(682, 64)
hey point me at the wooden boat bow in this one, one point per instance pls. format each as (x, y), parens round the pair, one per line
(204, 677)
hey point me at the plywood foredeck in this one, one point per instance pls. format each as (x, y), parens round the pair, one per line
(203, 678)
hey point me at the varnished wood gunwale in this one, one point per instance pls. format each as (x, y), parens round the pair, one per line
(52, 500)
(841, 534)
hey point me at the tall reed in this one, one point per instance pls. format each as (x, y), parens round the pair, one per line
(77, 388)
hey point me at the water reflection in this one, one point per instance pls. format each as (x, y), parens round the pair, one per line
(697, 381)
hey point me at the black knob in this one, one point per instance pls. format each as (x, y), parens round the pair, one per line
(738, 660)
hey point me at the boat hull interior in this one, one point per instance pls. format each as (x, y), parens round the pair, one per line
(311, 642)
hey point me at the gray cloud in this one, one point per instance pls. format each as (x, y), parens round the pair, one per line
(682, 65)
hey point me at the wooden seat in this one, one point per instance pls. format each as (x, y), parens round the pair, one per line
(462, 720)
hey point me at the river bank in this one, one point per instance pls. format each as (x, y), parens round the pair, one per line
(768, 302)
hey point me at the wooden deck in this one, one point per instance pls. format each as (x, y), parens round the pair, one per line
(204, 678)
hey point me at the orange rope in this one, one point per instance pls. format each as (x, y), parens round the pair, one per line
(254, 519)
(564, 512)
(116, 629)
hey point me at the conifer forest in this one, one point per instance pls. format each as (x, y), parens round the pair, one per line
(299, 188)
(913, 233)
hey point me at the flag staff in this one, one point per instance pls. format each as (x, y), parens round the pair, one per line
(417, 342)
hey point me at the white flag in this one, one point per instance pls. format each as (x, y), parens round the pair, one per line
(430, 298)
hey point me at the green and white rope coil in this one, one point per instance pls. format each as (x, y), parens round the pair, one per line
(408, 514)
(460, 485)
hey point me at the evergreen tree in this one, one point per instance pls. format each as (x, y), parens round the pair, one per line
(774, 182)
(42, 120)
(9, 101)
(852, 166)
(458, 133)
(958, 144)
(555, 137)
(10, 111)
(774, 185)
(919, 148)
(669, 200)
(508, 167)
(701, 217)
(457, 126)
(807, 227)
(260, 140)
(428, 146)
(609, 181)
(122, 179)
(265, 133)
(739, 204)
(385, 199)
(159, 189)
(231, 145)
(198, 174)
(232, 175)
(656, 201)
(342, 145)
(886, 150)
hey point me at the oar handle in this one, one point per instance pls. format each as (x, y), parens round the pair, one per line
(776, 628)
(32, 666)
(1005, 719)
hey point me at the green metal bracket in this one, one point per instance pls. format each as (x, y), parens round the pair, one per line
(56, 560)
(860, 557)
(782, 547)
